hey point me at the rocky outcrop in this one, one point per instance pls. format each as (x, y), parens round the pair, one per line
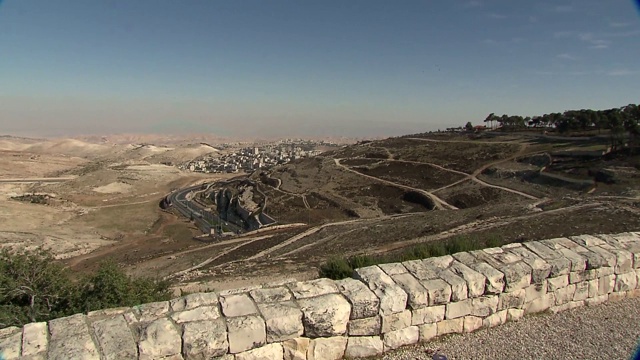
(382, 308)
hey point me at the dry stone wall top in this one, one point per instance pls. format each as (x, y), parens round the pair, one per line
(381, 308)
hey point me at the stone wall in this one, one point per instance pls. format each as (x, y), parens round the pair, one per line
(381, 308)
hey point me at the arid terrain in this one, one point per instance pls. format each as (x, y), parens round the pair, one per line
(101, 200)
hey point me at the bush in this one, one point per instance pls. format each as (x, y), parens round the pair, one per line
(34, 287)
(340, 268)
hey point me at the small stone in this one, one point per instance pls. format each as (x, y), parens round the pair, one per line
(514, 314)
(484, 305)
(458, 309)
(428, 332)
(558, 282)
(496, 319)
(34, 338)
(565, 294)
(582, 291)
(539, 305)
(511, 300)
(197, 314)
(626, 282)
(439, 291)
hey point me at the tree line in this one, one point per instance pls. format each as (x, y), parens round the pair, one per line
(618, 121)
(35, 287)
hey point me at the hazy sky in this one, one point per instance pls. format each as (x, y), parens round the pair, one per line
(353, 68)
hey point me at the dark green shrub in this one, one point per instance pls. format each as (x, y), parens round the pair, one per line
(336, 269)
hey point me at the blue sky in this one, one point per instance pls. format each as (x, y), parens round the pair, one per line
(288, 68)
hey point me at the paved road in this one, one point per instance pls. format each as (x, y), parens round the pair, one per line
(606, 331)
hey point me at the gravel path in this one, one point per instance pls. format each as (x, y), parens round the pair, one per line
(606, 331)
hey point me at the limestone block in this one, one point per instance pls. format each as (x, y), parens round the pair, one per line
(542, 250)
(596, 300)
(540, 269)
(393, 268)
(575, 277)
(610, 259)
(458, 309)
(493, 250)
(34, 338)
(10, 346)
(616, 296)
(557, 282)
(465, 258)
(70, 338)
(427, 332)
(245, 333)
(626, 282)
(516, 275)
(439, 291)
(204, 339)
(624, 260)
(396, 321)
(283, 320)
(593, 288)
(193, 301)
(417, 295)
(267, 352)
(392, 298)
(606, 284)
(535, 291)
(496, 319)
(159, 339)
(604, 271)
(578, 263)
(198, 314)
(332, 348)
(514, 314)
(268, 295)
(475, 280)
(365, 327)
(395, 339)
(440, 262)
(568, 306)
(471, 324)
(450, 326)
(565, 294)
(540, 304)
(587, 240)
(313, 288)
(459, 289)
(325, 315)
(495, 279)
(364, 303)
(420, 270)
(427, 315)
(582, 291)
(152, 311)
(560, 266)
(364, 346)
(237, 305)
(115, 339)
(296, 349)
(484, 305)
(511, 300)
(511, 246)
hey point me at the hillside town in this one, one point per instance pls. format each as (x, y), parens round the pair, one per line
(255, 157)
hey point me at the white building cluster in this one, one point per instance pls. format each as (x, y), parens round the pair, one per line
(249, 159)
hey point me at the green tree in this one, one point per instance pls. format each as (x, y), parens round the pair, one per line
(469, 126)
